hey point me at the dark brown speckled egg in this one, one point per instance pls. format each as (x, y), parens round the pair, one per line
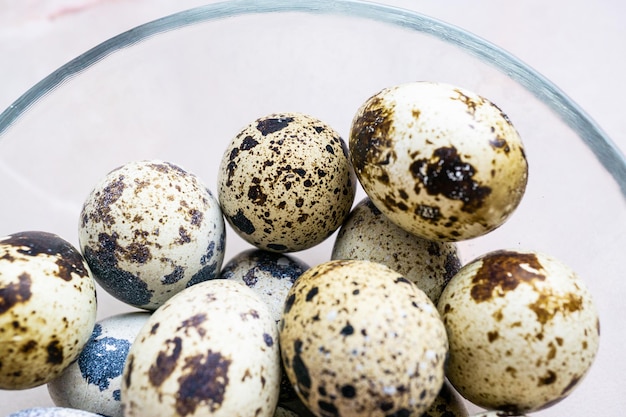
(438, 160)
(212, 349)
(285, 182)
(47, 308)
(523, 330)
(359, 339)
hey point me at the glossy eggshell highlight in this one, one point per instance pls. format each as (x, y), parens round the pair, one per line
(523, 330)
(268, 274)
(212, 349)
(368, 234)
(93, 382)
(440, 161)
(47, 307)
(149, 229)
(357, 338)
(285, 182)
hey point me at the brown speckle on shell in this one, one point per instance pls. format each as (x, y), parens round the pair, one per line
(503, 271)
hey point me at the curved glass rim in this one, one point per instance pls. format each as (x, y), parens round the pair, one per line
(571, 113)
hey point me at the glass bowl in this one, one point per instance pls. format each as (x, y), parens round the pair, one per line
(179, 88)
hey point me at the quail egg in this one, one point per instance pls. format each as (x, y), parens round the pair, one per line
(93, 382)
(369, 235)
(523, 330)
(269, 274)
(149, 229)
(357, 338)
(212, 349)
(438, 160)
(285, 182)
(447, 404)
(52, 412)
(47, 307)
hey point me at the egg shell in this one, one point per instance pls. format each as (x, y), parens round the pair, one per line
(497, 414)
(269, 274)
(448, 403)
(283, 412)
(523, 330)
(357, 338)
(212, 349)
(47, 307)
(285, 182)
(368, 234)
(52, 412)
(440, 161)
(93, 382)
(148, 230)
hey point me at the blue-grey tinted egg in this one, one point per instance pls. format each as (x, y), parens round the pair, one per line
(269, 274)
(52, 412)
(93, 382)
(148, 230)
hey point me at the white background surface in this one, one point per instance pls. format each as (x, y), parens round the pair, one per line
(576, 44)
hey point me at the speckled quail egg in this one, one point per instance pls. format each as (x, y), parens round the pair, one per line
(357, 338)
(523, 330)
(150, 229)
(448, 403)
(369, 235)
(93, 382)
(47, 307)
(269, 274)
(52, 412)
(440, 161)
(212, 349)
(285, 182)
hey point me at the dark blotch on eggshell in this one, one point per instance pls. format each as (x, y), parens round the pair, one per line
(400, 413)
(15, 293)
(289, 303)
(204, 382)
(246, 144)
(103, 263)
(272, 124)
(369, 139)
(327, 408)
(312, 293)
(504, 270)
(452, 266)
(303, 379)
(102, 359)
(104, 199)
(277, 247)
(194, 322)
(445, 173)
(55, 353)
(241, 222)
(166, 362)
(176, 275)
(35, 243)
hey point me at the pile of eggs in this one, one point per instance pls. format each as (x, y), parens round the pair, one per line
(392, 325)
